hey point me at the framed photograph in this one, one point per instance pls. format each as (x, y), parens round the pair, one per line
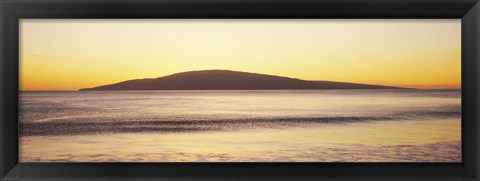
(239, 90)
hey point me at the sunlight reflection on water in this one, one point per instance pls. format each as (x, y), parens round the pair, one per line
(246, 126)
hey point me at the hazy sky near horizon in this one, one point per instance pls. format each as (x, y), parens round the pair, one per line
(74, 54)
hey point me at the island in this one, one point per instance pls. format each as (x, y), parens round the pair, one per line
(229, 80)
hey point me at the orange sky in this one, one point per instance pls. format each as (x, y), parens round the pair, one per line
(74, 54)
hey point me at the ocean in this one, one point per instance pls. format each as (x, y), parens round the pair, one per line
(401, 125)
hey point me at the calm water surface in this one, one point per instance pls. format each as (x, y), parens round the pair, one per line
(243, 126)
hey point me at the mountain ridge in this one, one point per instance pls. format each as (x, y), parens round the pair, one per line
(229, 80)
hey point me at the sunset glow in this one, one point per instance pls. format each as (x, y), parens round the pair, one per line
(75, 54)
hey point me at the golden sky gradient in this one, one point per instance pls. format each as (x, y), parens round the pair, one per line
(74, 54)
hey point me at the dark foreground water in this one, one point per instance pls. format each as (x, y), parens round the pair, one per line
(278, 125)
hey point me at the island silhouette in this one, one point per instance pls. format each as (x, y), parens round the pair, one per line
(229, 80)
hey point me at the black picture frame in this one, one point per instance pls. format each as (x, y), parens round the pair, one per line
(13, 10)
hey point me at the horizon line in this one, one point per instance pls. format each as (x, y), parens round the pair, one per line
(165, 90)
(422, 87)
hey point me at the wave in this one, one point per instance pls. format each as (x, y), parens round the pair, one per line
(112, 125)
